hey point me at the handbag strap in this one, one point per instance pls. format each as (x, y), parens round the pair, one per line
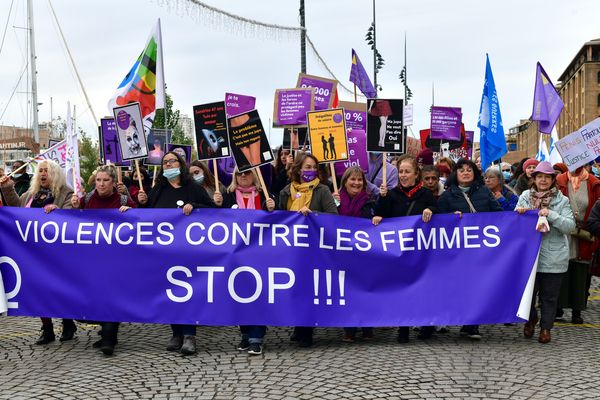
(471, 207)
(410, 207)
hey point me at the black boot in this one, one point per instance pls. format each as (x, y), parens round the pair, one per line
(47, 334)
(68, 331)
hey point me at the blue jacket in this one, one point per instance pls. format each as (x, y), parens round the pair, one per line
(482, 198)
(554, 251)
(509, 199)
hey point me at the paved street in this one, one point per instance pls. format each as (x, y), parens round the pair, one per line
(503, 365)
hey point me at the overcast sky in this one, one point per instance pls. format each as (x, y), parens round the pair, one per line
(205, 57)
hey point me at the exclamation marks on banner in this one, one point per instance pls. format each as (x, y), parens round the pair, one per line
(328, 286)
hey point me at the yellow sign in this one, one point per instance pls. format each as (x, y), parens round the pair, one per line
(327, 130)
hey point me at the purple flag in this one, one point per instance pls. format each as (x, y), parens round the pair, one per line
(547, 104)
(359, 77)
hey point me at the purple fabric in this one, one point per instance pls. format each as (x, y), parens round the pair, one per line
(324, 90)
(352, 207)
(547, 104)
(234, 267)
(356, 131)
(360, 78)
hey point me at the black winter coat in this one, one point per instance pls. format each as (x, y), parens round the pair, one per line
(397, 204)
(482, 198)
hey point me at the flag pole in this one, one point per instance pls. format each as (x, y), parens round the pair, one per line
(355, 98)
(333, 177)
(162, 72)
(216, 174)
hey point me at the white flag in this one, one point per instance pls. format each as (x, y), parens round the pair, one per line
(554, 154)
(543, 154)
(72, 157)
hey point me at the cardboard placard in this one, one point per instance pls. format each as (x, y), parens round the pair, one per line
(291, 105)
(130, 131)
(248, 140)
(238, 103)
(445, 123)
(580, 147)
(355, 115)
(385, 131)
(325, 89)
(157, 143)
(212, 140)
(110, 150)
(184, 150)
(298, 137)
(327, 131)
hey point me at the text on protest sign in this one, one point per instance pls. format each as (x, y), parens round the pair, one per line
(581, 146)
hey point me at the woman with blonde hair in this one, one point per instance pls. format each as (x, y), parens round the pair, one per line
(48, 190)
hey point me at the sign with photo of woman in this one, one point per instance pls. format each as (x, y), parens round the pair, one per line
(157, 140)
(385, 131)
(130, 131)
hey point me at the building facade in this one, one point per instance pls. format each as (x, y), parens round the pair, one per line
(17, 143)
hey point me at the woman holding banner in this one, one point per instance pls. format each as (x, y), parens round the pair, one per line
(306, 194)
(48, 190)
(176, 189)
(244, 193)
(105, 195)
(355, 201)
(555, 222)
(466, 193)
(410, 197)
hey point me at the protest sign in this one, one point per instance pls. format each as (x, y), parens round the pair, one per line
(231, 267)
(582, 146)
(455, 149)
(56, 153)
(355, 115)
(157, 141)
(325, 90)
(327, 132)
(184, 150)
(445, 123)
(110, 152)
(385, 131)
(413, 146)
(212, 140)
(291, 106)
(130, 131)
(298, 138)
(238, 103)
(408, 115)
(248, 140)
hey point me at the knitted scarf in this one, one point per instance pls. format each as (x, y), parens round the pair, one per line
(576, 180)
(352, 207)
(239, 197)
(411, 192)
(301, 194)
(541, 200)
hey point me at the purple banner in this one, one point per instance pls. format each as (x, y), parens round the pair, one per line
(233, 267)
(445, 123)
(356, 130)
(291, 106)
(238, 104)
(324, 90)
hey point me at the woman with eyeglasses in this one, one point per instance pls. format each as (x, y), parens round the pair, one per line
(306, 194)
(494, 180)
(176, 189)
(466, 193)
(244, 193)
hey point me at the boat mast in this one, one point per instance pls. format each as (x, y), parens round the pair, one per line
(36, 129)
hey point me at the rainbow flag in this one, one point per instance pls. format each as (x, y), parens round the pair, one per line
(144, 83)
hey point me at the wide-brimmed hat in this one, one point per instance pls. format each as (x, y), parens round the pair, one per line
(545, 168)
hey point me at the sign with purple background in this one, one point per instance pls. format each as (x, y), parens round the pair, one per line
(356, 130)
(291, 106)
(238, 104)
(470, 135)
(241, 267)
(325, 90)
(445, 123)
(109, 143)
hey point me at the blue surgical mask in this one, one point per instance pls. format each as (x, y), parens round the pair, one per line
(171, 173)
(595, 171)
(199, 179)
(308, 176)
(506, 175)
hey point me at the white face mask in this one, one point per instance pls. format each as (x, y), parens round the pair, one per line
(443, 180)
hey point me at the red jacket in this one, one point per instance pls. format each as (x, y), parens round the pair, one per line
(586, 249)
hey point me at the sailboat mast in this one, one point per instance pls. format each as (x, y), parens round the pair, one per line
(34, 100)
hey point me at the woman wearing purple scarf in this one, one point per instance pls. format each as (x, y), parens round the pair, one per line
(354, 201)
(410, 197)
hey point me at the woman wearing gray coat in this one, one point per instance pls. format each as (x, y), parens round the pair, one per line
(553, 260)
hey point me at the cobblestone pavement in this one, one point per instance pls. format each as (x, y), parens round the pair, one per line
(503, 365)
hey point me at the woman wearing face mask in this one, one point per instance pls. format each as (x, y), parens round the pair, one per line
(48, 190)
(306, 194)
(21, 179)
(203, 177)
(175, 189)
(410, 197)
(244, 194)
(467, 194)
(494, 180)
(104, 196)
(524, 180)
(553, 259)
